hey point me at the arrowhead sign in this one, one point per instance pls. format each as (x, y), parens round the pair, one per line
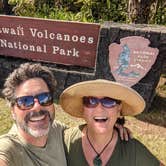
(131, 59)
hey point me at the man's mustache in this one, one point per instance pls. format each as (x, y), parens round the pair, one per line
(36, 114)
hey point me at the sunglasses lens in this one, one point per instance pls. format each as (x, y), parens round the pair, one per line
(90, 102)
(45, 99)
(25, 102)
(108, 102)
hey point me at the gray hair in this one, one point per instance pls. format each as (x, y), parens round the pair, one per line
(25, 72)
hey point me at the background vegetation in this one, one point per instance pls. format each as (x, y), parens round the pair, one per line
(149, 127)
(126, 11)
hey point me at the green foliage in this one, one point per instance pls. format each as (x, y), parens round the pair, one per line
(53, 13)
(5, 117)
(23, 7)
(161, 14)
(84, 10)
(80, 10)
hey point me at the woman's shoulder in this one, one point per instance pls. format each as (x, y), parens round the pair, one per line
(139, 151)
(133, 146)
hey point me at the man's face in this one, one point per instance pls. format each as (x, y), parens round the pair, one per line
(37, 119)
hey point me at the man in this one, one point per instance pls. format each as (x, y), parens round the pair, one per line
(35, 139)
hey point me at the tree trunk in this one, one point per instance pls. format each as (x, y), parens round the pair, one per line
(140, 10)
(7, 9)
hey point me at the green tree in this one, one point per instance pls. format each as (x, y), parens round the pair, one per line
(127, 11)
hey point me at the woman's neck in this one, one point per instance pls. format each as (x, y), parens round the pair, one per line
(100, 138)
(98, 146)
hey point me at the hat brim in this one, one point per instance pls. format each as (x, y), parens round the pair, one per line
(71, 98)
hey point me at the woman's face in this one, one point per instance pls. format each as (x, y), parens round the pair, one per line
(101, 117)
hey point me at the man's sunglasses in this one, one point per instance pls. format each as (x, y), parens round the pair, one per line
(27, 102)
(107, 102)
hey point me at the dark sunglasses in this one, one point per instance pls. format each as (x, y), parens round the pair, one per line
(27, 102)
(107, 102)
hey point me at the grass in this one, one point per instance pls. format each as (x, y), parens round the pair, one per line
(5, 117)
(148, 127)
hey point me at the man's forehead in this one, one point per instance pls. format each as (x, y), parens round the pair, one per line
(31, 87)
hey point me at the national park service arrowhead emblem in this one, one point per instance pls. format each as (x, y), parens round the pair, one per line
(131, 59)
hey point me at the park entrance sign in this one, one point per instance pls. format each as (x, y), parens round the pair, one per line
(61, 42)
(132, 59)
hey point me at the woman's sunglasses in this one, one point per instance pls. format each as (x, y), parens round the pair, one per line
(27, 102)
(107, 102)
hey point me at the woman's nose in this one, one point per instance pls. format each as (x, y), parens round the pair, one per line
(99, 107)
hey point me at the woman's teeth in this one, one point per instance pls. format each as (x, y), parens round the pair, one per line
(100, 119)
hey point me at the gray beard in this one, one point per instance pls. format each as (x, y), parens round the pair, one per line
(39, 132)
(36, 133)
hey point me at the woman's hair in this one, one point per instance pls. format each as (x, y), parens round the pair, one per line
(121, 120)
(25, 72)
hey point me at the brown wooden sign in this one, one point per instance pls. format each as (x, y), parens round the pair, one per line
(131, 59)
(61, 42)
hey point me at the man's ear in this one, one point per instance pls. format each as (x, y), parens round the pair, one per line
(13, 113)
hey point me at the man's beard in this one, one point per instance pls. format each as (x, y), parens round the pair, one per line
(41, 130)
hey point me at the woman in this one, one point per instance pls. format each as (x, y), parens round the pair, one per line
(97, 143)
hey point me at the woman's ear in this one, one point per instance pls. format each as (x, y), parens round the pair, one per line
(120, 109)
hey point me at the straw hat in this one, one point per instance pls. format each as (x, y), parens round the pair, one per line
(71, 98)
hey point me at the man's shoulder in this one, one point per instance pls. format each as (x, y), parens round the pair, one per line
(72, 138)
(58, 125)
(11, 149)
(73, 133)
(5, 138)
(8, 141)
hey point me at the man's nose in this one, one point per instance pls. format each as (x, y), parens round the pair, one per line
(36, 106)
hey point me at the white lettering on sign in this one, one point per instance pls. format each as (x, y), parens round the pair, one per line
(144, 52)
(69, 52)
(23, 46)
(60, 37)
(19, 31)
(39, 48)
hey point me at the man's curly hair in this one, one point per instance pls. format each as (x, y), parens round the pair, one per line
(25, 72)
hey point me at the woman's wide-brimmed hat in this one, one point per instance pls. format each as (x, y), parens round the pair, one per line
(71, 98)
